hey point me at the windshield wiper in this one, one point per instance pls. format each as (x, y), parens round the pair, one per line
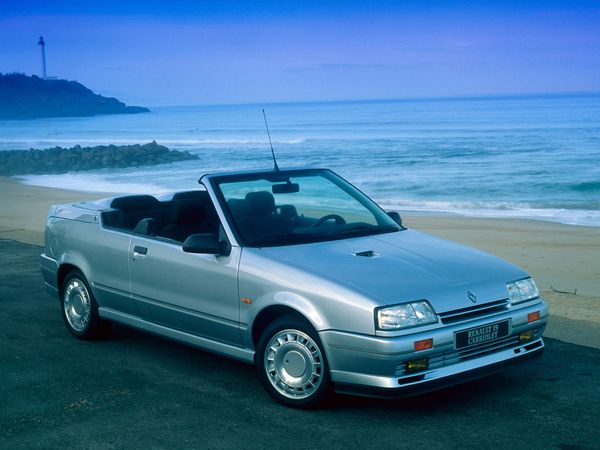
(294, 238)
(388, 228)
(362, 230)
(281, 239)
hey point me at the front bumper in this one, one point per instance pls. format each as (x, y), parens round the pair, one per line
(375, 366)
(49, 269)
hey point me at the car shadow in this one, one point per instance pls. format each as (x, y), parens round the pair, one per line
(183, 360)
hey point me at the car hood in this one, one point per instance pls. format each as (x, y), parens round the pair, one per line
(403, 266)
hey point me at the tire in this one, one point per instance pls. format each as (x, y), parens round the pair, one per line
(291, 363)
(79, 308)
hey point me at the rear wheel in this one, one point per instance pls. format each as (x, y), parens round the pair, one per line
(79, 308)
(291, 363)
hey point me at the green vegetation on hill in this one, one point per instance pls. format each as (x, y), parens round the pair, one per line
(31, 97)
(62, 160)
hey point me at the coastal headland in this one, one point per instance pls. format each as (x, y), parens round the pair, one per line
(563, 258)
(32, 97)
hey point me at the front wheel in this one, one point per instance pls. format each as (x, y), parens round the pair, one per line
(79, 308)
(291, 363)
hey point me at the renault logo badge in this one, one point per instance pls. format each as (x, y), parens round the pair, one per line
(472, 296)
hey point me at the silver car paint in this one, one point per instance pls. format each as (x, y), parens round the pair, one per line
(171, 296)
(407, 266)
(326, 282)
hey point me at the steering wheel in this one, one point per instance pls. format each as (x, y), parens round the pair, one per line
(339, 220)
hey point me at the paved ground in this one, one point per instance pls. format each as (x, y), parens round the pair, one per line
(138, 391)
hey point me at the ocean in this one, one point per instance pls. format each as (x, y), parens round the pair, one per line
(535, 157)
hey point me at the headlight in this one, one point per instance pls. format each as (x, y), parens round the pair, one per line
(405, 316)
(522, 290)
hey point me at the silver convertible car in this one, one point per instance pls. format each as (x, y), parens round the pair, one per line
(299, 273)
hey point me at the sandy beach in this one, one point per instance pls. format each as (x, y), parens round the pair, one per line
(560, 257)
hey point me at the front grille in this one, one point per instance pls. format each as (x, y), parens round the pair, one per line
(473, 352)
(473, 312)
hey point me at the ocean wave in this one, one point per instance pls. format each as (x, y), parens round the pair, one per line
(26, 144)
(101, 183)
(228, 141)
(90, 183)
(582, 217)
(592, 186)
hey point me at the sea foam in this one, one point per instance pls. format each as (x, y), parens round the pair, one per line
(89, 183)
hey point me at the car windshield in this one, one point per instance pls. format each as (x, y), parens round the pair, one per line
(283, 208)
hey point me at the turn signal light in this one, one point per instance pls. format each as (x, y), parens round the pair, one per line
(527, 336)
(423, 345)
(532, 317)
(417, 365)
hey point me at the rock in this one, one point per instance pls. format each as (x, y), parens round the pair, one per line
(61, 160)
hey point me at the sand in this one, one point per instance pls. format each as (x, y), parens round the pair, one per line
(23, 208)
(560, 257)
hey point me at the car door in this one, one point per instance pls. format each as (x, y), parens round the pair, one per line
(195, 293)
(108, 250)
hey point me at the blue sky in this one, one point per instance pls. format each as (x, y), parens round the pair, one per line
(170, 53)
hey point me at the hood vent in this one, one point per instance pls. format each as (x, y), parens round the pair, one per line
(366, 254)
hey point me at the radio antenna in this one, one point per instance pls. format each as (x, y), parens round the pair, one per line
(270, 143)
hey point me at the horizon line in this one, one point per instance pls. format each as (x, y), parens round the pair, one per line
(457, 97)
(417, 98)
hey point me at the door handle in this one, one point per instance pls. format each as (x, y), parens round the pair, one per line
(139, 252)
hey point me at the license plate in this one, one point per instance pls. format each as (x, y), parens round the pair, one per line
(480, 335)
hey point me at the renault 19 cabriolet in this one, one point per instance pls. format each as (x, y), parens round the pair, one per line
(299, 273)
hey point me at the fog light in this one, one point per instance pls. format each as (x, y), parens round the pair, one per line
(532, 317)
(527, 336)
(423, 345)
(417, 365)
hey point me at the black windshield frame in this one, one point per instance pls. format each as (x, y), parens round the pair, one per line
(386, 224)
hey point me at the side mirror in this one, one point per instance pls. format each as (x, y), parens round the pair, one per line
(395, 217)
(206, 243)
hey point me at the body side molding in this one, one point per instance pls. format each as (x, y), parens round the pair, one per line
(241, 354)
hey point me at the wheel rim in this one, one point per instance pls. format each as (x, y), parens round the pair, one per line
(293, 364)
(77, 304)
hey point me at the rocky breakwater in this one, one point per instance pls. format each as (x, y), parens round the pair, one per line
(61, 160)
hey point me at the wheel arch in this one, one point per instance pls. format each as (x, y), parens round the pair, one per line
(94, 326)
(72, 260)
(63, 270)
(270, 314)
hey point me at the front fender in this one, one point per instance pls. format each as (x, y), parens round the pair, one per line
(49, 269)
(249, 312)
(264, 282)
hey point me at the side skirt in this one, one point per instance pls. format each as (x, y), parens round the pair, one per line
(238, 353)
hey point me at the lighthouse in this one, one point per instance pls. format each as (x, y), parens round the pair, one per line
(42, 45)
